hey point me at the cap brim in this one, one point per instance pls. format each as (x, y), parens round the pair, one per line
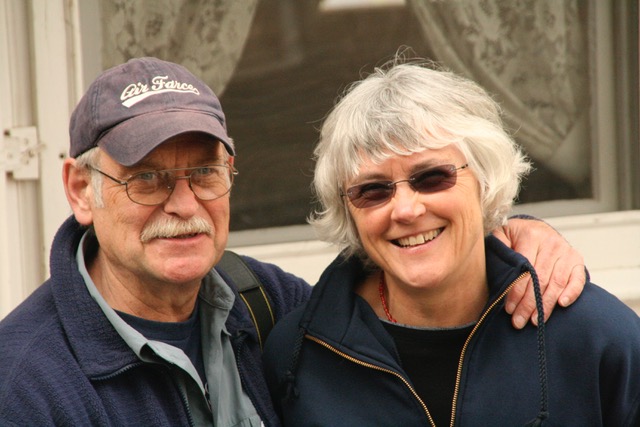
(130, 141)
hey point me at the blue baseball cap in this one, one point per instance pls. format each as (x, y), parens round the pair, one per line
(134, 107)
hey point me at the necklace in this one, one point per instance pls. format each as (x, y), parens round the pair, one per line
(381, 287)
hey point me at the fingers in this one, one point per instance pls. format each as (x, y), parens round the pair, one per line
(550, 261)
(557, 290)
(525, 309)
(564, 281)
(525, 236)
(559, 267)
(574, 288)
(517, 306)
(501, 234)
(550, 295)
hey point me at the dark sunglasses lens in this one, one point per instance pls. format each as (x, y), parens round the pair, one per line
(435, 179)
(427, 181)
(371, 194)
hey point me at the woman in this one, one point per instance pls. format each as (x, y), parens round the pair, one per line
(406, 327)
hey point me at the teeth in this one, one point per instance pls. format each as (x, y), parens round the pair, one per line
(419, 239)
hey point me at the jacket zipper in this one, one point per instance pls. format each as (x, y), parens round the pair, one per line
(404, 381)
(378, 368)
(456, 389)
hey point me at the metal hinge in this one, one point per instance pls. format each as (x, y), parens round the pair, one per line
(19, 153)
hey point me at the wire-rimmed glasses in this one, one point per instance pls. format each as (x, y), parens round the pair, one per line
(153, 187)
(430, 180)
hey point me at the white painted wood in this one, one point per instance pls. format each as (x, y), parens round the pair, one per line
(610, 244)
(55, 98)
(34, 82)
(306, 259)
(9, 293)
(20, 239)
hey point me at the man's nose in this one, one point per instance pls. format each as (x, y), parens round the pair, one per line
(182, 200)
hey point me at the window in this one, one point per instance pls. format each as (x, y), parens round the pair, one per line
(565, 73)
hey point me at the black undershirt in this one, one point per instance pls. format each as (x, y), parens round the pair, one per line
(430, 358)
(183, 335)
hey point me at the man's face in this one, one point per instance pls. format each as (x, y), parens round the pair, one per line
(180, 258)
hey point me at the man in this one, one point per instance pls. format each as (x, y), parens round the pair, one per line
(135, 326)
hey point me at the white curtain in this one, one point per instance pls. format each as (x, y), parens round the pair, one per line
(533, 56)
(206, 36)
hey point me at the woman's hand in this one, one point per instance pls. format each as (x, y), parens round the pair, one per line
(559, 266)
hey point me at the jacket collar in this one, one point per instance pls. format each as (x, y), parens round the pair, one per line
(99, 349)
(335, 313)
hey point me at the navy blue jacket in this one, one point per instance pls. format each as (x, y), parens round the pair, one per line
(63, 364)
(332, 363)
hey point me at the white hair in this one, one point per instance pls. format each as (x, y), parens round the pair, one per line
(405, 108)
(89, 160)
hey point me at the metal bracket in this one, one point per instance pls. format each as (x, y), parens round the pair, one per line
(19, 153)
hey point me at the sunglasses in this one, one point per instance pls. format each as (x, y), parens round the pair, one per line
(426, 181)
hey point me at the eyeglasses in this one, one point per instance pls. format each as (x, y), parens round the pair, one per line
(152, 188)
(426, 181)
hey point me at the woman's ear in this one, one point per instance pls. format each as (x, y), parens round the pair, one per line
(77, 187)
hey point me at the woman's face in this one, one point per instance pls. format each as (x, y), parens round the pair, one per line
(426, 241)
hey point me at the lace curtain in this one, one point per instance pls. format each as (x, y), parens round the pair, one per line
(533, 56)
(206, 36)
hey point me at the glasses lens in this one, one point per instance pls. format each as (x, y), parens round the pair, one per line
(370, 194)
(434, 179)
(149, 188)
(211, 182)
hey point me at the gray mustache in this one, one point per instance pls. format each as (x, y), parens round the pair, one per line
(171, 227)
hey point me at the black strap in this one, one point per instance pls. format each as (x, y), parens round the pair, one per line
(251, 291)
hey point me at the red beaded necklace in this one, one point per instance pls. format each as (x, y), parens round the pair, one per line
(381, 288)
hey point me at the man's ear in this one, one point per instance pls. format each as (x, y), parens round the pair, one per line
(77, 187)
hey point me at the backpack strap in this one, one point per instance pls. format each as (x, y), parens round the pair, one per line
(251, 291)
